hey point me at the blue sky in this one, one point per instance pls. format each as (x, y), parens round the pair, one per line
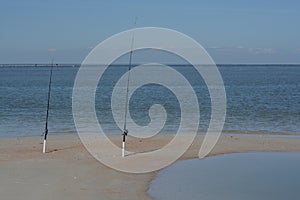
(232, 31)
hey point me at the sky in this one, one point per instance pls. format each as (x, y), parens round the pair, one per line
(232, 31)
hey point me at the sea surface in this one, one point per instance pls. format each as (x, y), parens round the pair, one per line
(247, 176)
(260, 99)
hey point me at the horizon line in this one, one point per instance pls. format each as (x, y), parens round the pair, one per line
(176, 64)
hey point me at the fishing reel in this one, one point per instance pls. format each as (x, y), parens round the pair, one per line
(125, 132)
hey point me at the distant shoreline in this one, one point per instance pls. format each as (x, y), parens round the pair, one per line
(122, 64)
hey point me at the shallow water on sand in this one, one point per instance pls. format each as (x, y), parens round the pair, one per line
(247, 176)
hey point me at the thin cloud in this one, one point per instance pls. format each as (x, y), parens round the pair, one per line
(217, 47)
(226, 47)
(262, 50)
(51, 49)
(244, 49)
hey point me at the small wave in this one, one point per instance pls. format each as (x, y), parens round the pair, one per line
(256, 132)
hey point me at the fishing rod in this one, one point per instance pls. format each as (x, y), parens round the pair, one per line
(125, 130)
(48, 106)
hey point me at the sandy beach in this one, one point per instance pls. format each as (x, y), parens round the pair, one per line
(68, 171)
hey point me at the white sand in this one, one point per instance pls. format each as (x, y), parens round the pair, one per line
(68, 171)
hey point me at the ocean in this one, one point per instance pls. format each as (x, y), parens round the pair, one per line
(260, 99)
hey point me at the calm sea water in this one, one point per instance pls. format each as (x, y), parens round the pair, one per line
(247, 176)
(259, 98)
